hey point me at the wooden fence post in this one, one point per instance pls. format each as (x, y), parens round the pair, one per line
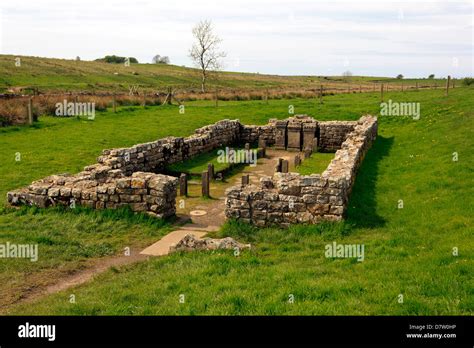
(30, 110)
(217, 98)
(321, 94)
(381, 92)
(114, 103)
(266, 95)
(447, 84)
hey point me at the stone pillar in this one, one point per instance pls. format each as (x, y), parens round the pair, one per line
(210, 170)
(247, 152)
(315, 145)
(285, 166)
(294, 136)
(297, 160)
(280, 137)
(309, 133)
(279, 165)
(205, 184)
(262, 145)
(245, 180)
(183, 185)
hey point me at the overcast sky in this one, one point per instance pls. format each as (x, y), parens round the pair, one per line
(293, 37)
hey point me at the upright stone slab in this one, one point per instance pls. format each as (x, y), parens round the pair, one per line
(183, 185)
(245, 180)
(297, 160)
(210, 170)
(315, 145)
(280, 136)
(285, 166)
(279, 165)
(262, 143)
(205, 184)
(294, 135)
(247, 146)
(309, 133)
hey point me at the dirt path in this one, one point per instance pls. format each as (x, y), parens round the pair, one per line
(212, 219)
(81, 276)
(214, 207)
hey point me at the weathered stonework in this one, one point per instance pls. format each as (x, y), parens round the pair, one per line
(191, 243)
(143, 192)
(288, 198)
(132, 176)
(333, 133)
(280, 134)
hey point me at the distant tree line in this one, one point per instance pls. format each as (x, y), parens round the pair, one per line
(116, 59)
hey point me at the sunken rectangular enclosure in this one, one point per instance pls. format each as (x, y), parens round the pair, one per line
(132, 176)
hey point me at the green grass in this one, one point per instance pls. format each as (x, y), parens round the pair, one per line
(49, 74)
(196, 165)
(67, 240)
(316, 164)
(407, 251)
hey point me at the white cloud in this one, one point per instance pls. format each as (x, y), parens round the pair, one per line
(414, 38)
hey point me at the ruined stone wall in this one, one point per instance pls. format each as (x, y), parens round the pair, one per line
(154, 156)
(332, 134)
(143, 192)
(288, 198)
(251, 134)
(127, 176)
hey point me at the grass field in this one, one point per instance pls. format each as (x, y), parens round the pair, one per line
(317, 163)
(407, 251)
(196, 165)
(54, 75)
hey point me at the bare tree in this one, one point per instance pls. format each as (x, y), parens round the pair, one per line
(205, 51)
(347, 75)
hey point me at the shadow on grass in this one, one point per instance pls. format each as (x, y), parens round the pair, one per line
(362, 207)
(99, 215)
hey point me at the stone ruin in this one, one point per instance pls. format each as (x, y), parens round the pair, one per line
(289, 198)
(191, 243)
(133, 176)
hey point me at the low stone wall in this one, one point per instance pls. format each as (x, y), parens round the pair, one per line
(153, 156)
(143, 192)
(333, 133)
(288, 198)
(251, 134)
(130, 176)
